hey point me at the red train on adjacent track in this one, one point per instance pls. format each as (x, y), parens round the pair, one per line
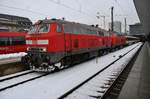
(12, 42)
(57, 43)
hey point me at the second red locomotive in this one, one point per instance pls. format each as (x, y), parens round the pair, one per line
(57, 43)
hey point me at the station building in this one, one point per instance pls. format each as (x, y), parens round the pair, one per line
(14, 23)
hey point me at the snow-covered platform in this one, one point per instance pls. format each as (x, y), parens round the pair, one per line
(137, 85)
(10, 63)
(13, 57)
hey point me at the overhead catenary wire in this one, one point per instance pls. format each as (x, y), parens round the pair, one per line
(80, 6)
(71, 8)
(22, 9)
(116, 1)
(58, 2)
(39, 13)
(124, 15)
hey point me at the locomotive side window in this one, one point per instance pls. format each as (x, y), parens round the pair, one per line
(94, 32)
(83, 31)
(88, 31)
(43, 28)
(76, 29)
(59, 29)
(18, 40)
(4, 41)
(68, 28)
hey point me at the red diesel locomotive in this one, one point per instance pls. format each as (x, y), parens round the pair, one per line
(57, 43)
(12, 42)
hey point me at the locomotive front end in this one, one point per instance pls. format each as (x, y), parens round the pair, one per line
(37, 41)
(39, 58)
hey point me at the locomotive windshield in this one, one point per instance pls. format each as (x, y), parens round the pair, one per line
(41, 28)
(32, 30)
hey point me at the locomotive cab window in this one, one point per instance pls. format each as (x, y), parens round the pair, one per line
(43, 28)
(33, 29)
(59, 29)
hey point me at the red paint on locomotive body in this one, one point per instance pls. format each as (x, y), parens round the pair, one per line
(117, 40)
(52, 40)
(12, 42)
(61, 41)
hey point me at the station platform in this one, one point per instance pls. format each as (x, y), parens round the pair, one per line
(137, 85)
(10, 60)
(11, 65)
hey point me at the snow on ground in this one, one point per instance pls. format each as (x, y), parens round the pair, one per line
(55, 84)
(19, 79)
(12, 55)
(11, 75)
(97, 83)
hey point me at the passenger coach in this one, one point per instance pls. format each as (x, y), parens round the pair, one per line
(12, 42)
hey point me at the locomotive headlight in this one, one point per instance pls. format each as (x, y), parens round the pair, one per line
(28, 48)
(44, 49)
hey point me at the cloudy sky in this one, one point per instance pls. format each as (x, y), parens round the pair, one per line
(83, 11)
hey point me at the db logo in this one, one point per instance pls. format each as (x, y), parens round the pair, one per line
(34, 41)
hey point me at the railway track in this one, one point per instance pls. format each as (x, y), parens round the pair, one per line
(15, 75)
(114, 90)
(12, 81)
(85, 90)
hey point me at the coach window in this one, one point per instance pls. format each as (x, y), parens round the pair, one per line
(4, 41)
(59, 29)
(18, 40)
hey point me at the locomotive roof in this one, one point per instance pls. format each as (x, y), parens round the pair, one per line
(59, 21)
